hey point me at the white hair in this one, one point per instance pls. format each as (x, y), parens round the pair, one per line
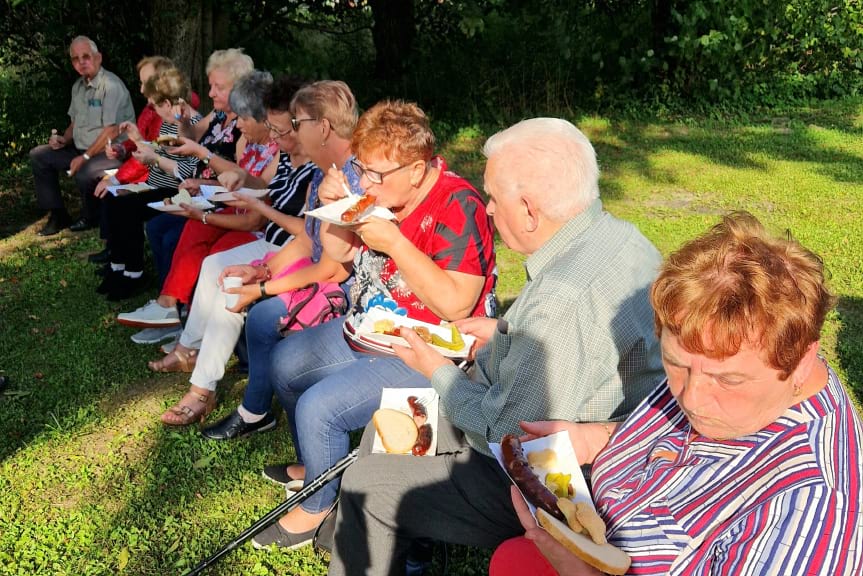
(232, 62)
(553, 163)
(76, 39)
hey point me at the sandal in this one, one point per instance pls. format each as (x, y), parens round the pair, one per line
(177, 361)
(183, 414)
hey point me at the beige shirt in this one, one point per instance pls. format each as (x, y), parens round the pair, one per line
(101, 102)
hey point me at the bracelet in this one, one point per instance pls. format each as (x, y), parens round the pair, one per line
(204, 217)
(269, 272)
(263, 288)
(86, 156)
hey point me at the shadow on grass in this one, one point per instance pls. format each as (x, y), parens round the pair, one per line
(849, 345)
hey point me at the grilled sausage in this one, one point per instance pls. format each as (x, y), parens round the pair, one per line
(529, 483)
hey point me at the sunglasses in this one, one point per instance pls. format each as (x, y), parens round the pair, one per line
(296, 122)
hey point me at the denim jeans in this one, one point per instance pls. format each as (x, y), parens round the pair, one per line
(163, 233)
(328, 390)
(262, 335)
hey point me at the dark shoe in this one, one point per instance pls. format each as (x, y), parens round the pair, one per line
(110, 278)
(81, 224)
(277, 535)
(103, 270)
(325, 536)
(57, 222)
(278, 473)
(99, 257)
(233, 426)
(125, 287)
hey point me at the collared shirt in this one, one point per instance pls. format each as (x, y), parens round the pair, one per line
(102, 101)
(786, 500)
(580, 344)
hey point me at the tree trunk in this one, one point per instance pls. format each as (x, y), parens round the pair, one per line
(393, 35)
(177, 34)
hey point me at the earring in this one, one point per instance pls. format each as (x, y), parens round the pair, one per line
(323, 143)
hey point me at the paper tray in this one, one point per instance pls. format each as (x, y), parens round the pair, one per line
(397, 399)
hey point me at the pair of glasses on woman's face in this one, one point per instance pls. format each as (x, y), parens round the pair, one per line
(374, 176)
(276, 131)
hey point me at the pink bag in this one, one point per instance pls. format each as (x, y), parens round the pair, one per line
(310, 305)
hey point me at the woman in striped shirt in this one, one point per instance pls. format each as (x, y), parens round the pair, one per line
(747, 459)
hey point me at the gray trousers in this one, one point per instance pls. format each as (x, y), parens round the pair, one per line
(458, 496)
(47, 166)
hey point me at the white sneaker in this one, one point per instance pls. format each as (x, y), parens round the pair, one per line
(169, 346)
(151, 314)
(155, 335)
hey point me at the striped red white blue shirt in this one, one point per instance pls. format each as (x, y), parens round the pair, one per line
(786, 500)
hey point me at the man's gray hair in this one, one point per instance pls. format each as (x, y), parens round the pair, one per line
(552, 162)
(76, 39)
(247, 95)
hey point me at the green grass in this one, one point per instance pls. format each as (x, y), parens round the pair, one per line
(91, 483)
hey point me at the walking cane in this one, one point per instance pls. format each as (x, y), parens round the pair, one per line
(330, 474)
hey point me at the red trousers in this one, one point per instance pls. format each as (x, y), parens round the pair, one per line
(198, 241)
(519, 557)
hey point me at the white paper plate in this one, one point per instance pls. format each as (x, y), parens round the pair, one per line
(332, 213)
(197, 202)
(397, 399)
(221, 194)
(364, 334)
(567, 463)
(133, 188)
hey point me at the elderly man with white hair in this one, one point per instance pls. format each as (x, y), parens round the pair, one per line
(577, 344)
(100, 103)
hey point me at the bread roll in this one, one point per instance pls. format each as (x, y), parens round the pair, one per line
(397, 430)
(604, 557)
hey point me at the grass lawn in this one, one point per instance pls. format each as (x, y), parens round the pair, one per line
(92, 483)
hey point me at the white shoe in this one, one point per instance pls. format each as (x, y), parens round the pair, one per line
(155, 335)
(150, 315)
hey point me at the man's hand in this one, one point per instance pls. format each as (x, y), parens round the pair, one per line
(587, 438)
(480, 328)
(76, 164)
(56, 142)
(420, 356)
(564, 561)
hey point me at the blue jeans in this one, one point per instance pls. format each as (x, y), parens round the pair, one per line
(328, 390)
(163, 233)
(262, 335)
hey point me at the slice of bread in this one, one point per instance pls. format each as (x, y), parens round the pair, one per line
(604, 557)
(397, 430)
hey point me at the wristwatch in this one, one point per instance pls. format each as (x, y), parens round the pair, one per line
(86, 156)
(206, 161)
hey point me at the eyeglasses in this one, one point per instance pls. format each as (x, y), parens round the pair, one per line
(276, 131)
(374, 176)
(295, 122)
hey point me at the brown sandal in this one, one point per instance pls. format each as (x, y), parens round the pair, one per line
(183, 414)
(177, 361)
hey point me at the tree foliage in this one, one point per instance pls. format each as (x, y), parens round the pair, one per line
(461, 59)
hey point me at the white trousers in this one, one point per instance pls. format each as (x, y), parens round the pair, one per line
(211, 328)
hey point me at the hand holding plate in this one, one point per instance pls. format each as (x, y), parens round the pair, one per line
(420, 356)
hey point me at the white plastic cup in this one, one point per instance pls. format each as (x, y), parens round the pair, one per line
(231, 282)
